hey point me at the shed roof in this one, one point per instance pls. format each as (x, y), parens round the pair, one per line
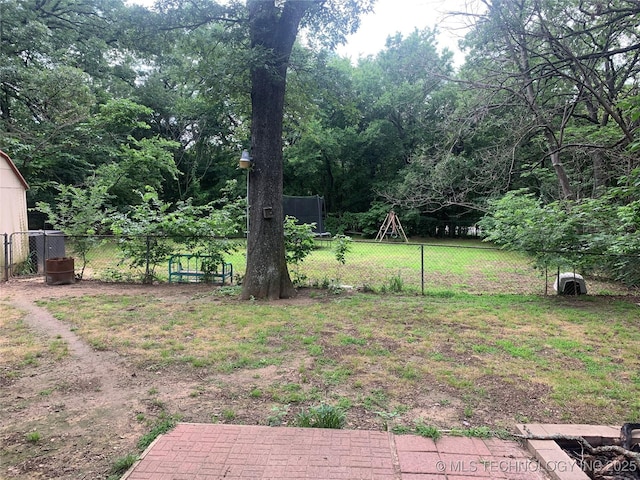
(15, 169)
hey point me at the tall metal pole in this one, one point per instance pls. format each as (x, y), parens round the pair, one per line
(6, 257)
(422, 267)
(248, 173)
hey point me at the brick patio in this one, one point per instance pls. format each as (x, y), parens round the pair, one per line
(208, 451)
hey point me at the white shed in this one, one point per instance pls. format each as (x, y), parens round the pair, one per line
(13, 211)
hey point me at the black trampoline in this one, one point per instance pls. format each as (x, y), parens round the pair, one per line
(306, 210)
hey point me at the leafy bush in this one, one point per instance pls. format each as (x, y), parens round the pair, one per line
(597, 235)
(342, 223)
(122, 464)
(396, 284)
(298, 240)
(341, 247)
(298, 244)
(519, 221)
(149, 231)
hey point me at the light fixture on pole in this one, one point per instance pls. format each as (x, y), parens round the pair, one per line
(245, 163)
(245, 159)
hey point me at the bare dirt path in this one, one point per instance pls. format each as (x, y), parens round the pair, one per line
(83, 407)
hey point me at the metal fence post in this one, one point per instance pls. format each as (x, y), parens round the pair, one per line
(6, 257)
(146, 273)
(45, 252)
(422, 267)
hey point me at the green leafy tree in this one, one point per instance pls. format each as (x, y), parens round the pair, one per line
(80, 213)
(567, 65)
(198, 89)
(273, 28)
(59, 60)
(341, 246)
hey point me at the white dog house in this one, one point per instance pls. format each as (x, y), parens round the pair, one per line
(13, 212)
(570, 284)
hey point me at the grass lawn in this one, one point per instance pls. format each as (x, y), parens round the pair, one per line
(20, 347)
(491, 360)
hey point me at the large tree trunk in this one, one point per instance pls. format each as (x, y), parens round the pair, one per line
(273, 31)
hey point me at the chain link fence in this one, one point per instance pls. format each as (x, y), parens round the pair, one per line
(436, 268)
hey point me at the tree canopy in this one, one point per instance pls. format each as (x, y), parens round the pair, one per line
(167, 97)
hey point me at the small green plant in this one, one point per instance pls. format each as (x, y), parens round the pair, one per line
(255, 393)
(345, 403)
(322, 416)
(298, 244)
(396, 284)
(122, 464)
(228, 290)
(387, 418)
(59, 348)
(228, 414)
(315, 350)
(428, 431)
(377, 399)
(336, 376)
(277, 415)
(401, 429)
(164, 424)
(289, 393)
(199, 390)
(30, 359)
(408, 372)
(28, 267)
(367, 288)
(480, 432)
(113, 275)
(341, 246)
(33, 437)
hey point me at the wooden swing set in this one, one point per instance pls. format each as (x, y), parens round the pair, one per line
(391, 222)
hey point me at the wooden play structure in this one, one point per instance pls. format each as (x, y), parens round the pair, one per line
(391, 227)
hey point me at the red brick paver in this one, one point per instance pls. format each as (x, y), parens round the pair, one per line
(229, 452)
(461, 458)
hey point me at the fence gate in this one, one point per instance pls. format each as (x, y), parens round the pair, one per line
(4, 255)
(25, 253)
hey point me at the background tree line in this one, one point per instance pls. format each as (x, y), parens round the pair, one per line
(546, 103)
